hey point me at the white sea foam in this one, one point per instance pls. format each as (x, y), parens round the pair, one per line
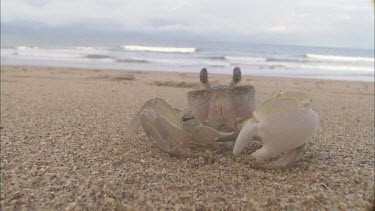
(329, 67)
(85, 48)
(158, 49)
(7, 52)
(245, 60)
(73, 53)
(25, 48)
(188, 62)
(340, 58)
(47, 53)
(89, 50)
(191, 59)
(341, 68)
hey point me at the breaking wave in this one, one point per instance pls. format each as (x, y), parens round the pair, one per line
(296, 60)
(25, 48)
(245, 59)
(158, 49)
(340, 68)
(188, 59)
(132, 60)
(340, 58)
(214, 57)
(97, 56)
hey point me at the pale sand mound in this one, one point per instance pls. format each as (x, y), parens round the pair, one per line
(62, 146)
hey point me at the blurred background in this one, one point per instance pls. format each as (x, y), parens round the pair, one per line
(331, 39)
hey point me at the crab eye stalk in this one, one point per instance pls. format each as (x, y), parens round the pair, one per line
(236, 78)
(204, 79)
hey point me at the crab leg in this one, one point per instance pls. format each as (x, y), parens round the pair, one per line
(207, 135)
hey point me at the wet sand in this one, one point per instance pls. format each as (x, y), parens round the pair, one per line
(63, 146)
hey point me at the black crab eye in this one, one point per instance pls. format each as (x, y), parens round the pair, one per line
(236, 74)
(203, 75)
(187, 118)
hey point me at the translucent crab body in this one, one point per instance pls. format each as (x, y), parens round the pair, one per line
(215, 114)
(283, 123)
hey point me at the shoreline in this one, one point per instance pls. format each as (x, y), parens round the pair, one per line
(175, 72)
(62, 146)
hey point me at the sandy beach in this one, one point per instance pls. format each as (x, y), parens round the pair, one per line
(63, 146)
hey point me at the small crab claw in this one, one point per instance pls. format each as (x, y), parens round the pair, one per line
(236, 78)
(207, 135)
(204, 79)
(284, 123)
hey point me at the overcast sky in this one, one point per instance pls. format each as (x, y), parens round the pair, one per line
(341, 23)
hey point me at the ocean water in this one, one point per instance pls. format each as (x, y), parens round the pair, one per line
(253, 59)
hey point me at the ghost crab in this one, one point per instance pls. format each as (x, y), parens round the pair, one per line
(283, 123)
(215, 114)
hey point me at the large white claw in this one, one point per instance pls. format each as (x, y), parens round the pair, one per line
(284, 123)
